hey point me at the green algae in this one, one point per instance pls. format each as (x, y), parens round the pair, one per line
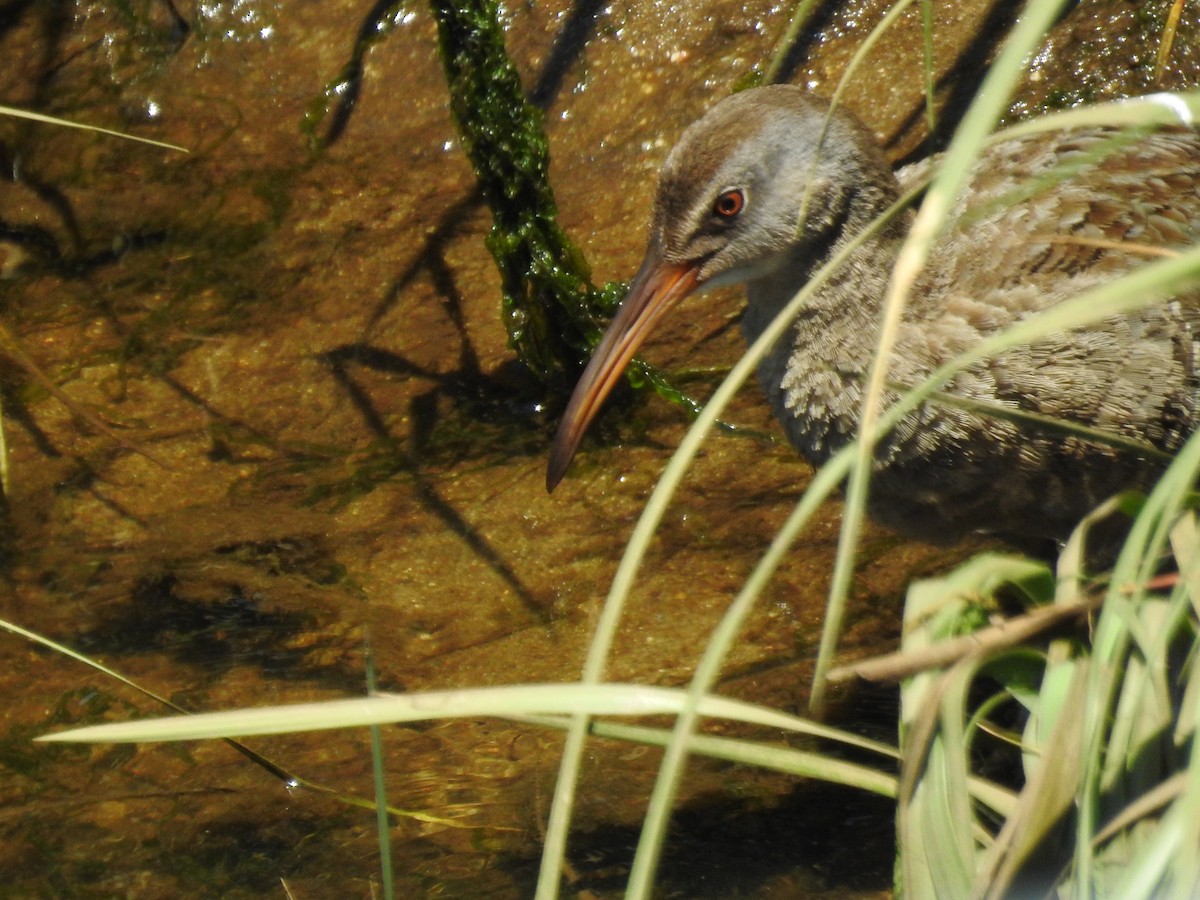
(550, 305)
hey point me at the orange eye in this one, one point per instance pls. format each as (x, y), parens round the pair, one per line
(729, 204)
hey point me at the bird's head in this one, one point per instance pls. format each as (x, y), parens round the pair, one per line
(726, 212)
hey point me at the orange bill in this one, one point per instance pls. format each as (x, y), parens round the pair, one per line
(656, 289)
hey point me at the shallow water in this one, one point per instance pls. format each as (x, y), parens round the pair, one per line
(313, 434)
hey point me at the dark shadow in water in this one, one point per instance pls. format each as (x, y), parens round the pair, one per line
(819, 840)
(431, 258)
(67, 255)
(960, 83)
(39, 243)
(375, 25)
(14, 410)
(461, 388)
(818, 21)
(570, 43)
(217, 635)
(86, 478)
(220, 449)
(11, 13)
(51, 26)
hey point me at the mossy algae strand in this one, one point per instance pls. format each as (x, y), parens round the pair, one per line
(551, 308)
(549, 305)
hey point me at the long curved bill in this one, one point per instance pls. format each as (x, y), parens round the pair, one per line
(656, 288)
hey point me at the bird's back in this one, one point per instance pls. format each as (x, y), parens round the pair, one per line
(1043, 219)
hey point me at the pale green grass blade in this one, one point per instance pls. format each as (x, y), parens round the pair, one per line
(1145, 874)
(1180, 108)
(935, 862)
(937, 829)
(1143, 707)
(1119, 629)
(258, 759)
(1032, 421)
(956, 859)
(804, 10)
(977, 124)
(87, 661)
(1187, 808)
(927, 65)
(507, 700)
(1161, 860)
(944, 844)
(856, 60)
(1185, 547)
(864, 49)
(801, 763)
(67, 123)
(1047, 794)
(754, 715)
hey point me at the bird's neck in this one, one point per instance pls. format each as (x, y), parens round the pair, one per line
(814, 374)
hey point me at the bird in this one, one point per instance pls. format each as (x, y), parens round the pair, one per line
(1042, 218)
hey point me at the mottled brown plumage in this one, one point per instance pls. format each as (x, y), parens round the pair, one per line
(1024, 238)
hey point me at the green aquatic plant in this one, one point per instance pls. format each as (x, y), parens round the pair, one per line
(1098, 724)
(552, 311)
(550, 305)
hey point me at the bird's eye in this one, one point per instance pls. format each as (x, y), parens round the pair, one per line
(729, 204)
